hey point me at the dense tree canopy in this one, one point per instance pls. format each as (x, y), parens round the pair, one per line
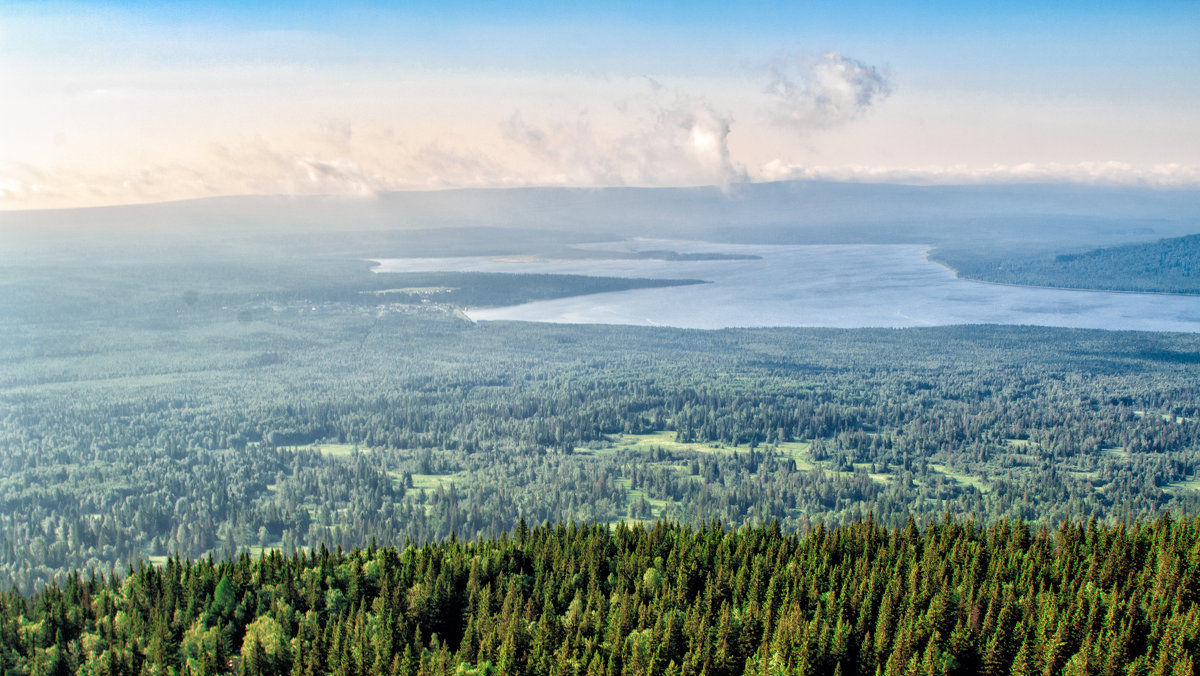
(953, 598)
(309, 429)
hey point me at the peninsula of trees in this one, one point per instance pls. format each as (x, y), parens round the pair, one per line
(1167, 266)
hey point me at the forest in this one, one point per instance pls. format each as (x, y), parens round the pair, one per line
(1170, 265)
(164, 424)
(952, 598)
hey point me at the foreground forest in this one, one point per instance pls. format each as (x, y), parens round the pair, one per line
(953, 598)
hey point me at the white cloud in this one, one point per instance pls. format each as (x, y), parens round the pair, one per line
(683, 141)
(825, 92)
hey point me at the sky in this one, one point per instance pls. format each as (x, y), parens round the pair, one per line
(130, 102)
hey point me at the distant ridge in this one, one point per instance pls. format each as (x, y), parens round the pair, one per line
(803, 203)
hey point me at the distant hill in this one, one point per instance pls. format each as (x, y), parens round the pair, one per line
(470, 222)
(1166, 266)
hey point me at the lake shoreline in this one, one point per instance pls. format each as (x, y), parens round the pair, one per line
(828, 285)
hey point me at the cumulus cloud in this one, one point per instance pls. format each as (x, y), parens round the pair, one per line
(678, 142)
(825, 92)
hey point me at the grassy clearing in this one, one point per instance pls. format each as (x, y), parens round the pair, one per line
(413, 290)
(632, 496)
(877, 477)
(1116, 453)
(668, 441)
(962, 479)
(1179, 420)
(332, 450)
(1184, 486)
(431, 482)
(657, 505)
(798, 451)
(338, 450)
(1083, 475)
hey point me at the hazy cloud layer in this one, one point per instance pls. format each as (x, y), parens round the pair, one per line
(252, 169)
(824, 92)
(641, 135)
(654, 138)
(1098, 173)
(432, 167)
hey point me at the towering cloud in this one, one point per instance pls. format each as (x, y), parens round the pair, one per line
(826, 92)
(675, 142)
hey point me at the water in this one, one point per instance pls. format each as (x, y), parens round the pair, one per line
(846, 286)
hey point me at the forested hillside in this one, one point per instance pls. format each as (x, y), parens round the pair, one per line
(954, 598)
(203, 402)
(298, 428)
(253, 391)
(1166, 266)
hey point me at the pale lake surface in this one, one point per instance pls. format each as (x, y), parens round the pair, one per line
(844, 286)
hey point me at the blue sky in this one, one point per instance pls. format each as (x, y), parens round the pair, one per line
(145, 101)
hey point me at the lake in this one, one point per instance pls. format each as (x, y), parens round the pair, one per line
(845, 286)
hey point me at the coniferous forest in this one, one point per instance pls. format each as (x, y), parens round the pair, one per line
(297, 432)
(953, 598)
